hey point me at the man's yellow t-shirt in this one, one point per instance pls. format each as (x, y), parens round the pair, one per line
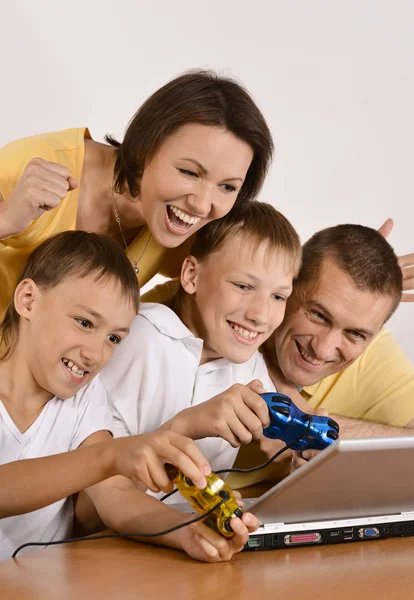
(66, 148)
(378, 386)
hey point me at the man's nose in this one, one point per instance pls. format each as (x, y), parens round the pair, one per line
(326, 346)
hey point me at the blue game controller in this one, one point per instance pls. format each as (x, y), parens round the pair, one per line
(287, 422)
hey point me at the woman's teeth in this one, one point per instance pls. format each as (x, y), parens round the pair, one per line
(75, 370)
(184, 216)
(244, 332)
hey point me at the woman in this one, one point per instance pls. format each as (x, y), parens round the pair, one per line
(193, 149)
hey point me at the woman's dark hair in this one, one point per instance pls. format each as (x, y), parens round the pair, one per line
(201, 97)
(68, 254)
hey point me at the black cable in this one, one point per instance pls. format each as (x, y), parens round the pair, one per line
(117, 535)
(177, 527)
(252, 469)
(168, 495)
(272, 458)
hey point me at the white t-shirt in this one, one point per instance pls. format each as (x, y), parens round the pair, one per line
(156, 373)
(61, 426)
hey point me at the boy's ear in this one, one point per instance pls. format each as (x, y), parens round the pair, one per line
(25, 297)
(189, 274)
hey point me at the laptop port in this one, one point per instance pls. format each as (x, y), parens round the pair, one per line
(368, 532)
(348, 530)
(302, 538)
(334, 533)
(255, 542)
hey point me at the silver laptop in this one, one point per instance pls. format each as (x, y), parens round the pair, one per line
(354, 490)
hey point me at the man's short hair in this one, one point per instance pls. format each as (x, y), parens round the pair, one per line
(361, 252)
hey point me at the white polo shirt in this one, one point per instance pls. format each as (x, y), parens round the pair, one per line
(156, 373)
(61, 426)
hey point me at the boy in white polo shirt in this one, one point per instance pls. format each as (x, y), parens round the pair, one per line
(192, 363)
(73, 304)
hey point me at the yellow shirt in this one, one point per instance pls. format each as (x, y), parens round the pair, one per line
(67, 148)
(378, 386)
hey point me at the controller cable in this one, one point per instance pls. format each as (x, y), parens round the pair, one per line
(258, 468)
(172, 529)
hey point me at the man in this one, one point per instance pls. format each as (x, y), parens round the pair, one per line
(331, 350)
(331, 343)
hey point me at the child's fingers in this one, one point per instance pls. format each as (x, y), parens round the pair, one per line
(297, 461)
(209, 550)
(183, 462)
(218, 548)
(308, 454)
(158, 476)
(146, 477)
(250, 521)
(187, 456)
(208, 534)
(238, 541)
(190, 448)
(238, 498)
(237, 423)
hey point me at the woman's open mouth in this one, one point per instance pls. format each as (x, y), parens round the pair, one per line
(179, 221)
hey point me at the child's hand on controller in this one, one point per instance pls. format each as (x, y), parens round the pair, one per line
(237, 415)
(142, 458)
(202, 543)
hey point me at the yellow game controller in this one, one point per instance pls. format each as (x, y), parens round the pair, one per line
(217, 493)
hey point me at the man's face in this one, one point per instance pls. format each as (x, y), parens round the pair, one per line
(238, 297)
(328, 327)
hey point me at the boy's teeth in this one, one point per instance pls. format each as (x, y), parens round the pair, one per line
(244, 332)
(73, 368)
(183, 216)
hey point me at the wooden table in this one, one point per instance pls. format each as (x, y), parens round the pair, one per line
(122, 569)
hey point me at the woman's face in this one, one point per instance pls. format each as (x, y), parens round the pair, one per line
(193, 178)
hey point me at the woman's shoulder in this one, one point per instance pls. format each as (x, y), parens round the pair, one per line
(66, 139)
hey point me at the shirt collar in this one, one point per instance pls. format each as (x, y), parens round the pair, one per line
(165, 320)
(312, 389)
(168, 323)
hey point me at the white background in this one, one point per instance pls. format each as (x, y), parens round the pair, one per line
(334, 79)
